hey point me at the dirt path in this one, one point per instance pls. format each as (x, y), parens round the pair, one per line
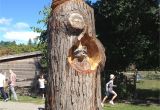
(19, 106)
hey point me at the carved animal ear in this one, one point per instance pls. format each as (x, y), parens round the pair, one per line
(76, 21)
(76, 25)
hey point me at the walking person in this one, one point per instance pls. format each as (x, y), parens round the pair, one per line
(2, 84)
(12, 83)
(109, 90)
(41, 81)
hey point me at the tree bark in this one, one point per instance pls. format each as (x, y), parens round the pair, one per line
(73, 78)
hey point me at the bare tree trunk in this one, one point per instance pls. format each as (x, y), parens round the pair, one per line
(76, 58)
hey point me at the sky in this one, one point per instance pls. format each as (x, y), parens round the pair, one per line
(17, 16)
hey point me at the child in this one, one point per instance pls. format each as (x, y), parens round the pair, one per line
(109, 90)
(41, 81)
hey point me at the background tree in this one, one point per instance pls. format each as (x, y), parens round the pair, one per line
(129, 31)
(29, 42)
(43, 38)
(127, 28)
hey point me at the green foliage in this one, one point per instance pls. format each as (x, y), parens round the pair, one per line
(10, 48)
(127, 28)
(129, 31)
(43, 38)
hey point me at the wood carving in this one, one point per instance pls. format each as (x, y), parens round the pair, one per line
(76, 58)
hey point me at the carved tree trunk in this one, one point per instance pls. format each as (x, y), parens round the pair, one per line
(76, 58)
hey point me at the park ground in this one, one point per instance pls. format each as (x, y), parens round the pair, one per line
(148, 98)
(32, 106)
(149, 91)
(20, 106)
(24, 103)
(124, 106)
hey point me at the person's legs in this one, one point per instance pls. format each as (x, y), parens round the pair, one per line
(43, 93)
(104, 99)
(13, 92)
(43, 96)
(3, 93)
(102, 103)
(107, 94)
(115, 95)
(10, 93)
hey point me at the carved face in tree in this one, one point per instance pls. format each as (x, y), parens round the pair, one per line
(80, 53)
(84, 55)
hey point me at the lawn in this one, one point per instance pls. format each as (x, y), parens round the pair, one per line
(123, 106)
(28, 99)
(148, 84)
(148, 89)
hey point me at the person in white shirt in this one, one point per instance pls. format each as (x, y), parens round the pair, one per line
(109, 90)
(41, 81)
(2, 84)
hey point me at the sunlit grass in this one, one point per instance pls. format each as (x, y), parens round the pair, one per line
(29, 99)
(148, 84)
(123, 106)
(148, 89)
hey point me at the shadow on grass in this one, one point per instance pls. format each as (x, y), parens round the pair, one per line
(40, 108)
(147, 97)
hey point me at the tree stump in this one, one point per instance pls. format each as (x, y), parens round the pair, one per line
(76, 58)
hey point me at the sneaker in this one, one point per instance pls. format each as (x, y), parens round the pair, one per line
(102, 104)
(6, 99)
(111, 102)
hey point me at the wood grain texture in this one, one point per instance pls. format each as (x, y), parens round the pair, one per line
(68, 89)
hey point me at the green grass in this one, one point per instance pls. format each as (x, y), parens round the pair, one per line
(123, 106)
(148, 89)
(28, 99)
(148, 84)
